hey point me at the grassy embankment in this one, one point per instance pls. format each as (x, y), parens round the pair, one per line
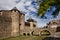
(24, 38)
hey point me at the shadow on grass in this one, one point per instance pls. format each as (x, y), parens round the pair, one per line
(51, 38)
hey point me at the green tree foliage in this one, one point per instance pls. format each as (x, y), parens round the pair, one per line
(46, 4)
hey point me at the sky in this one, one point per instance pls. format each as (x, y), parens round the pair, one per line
(29, 8)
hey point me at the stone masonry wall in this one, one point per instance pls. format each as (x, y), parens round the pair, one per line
(22, 22)
(15, 23)
(5, 24)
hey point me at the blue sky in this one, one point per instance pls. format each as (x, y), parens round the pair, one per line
(29, 8)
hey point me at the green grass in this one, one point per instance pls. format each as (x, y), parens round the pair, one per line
(24, 38)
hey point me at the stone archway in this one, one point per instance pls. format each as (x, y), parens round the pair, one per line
(45, 32)
(28, 34)
(35, 33)
(24, 34)
(32, 33)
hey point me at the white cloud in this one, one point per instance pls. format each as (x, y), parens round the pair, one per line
(58, 17)
(20, 6)
(28, 3)
(7, 4)
(32, 9)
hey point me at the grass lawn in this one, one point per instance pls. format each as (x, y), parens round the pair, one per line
(24, 38)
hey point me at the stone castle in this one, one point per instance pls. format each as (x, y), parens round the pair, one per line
(12, 24)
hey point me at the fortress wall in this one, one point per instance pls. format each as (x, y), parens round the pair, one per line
(5, 24)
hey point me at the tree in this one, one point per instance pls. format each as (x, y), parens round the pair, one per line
(47, 4)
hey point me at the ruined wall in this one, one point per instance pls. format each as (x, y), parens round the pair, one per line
(53, 24)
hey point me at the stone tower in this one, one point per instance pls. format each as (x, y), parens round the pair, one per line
(21, 19)
(15, 21)
(32, 22)
(11, 21)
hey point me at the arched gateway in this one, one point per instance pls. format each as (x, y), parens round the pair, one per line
(45, 32)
